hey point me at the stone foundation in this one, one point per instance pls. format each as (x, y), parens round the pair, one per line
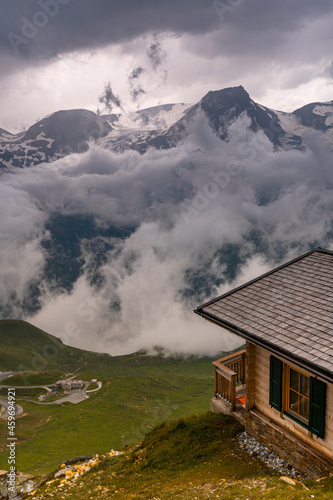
(290, 448)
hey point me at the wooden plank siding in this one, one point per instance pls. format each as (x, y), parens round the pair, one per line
(250, 360)
(261, 403)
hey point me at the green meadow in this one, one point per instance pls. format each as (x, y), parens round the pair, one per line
(138, 393)
(197, 458)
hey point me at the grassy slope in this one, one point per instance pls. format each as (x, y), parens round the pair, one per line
(33, 378)
(138, 393)
(193, 458)
(25, 347)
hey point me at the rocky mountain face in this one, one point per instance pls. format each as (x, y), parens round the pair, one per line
(161, 127)
(222, 108)
(55, 136)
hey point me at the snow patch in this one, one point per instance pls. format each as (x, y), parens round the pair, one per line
(323, 110)
(329, 120)
(290, 123)
(156, 118)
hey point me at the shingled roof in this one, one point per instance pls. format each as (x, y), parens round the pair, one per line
(288, 311)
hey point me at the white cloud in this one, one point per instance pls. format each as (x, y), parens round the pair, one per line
(21, 258)
(185, 206)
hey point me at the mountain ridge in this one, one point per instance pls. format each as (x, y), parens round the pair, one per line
(26, 347)
(70, 131)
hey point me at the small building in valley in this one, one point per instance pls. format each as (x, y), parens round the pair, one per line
(281, 385)
(68, 385)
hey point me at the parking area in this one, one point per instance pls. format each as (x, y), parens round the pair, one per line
(75, 396)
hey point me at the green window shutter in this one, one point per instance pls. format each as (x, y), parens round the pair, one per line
(275, 383)
(317, 407)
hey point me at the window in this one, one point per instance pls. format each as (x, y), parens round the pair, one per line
(298, 394)
(301, 396)
(275, 385)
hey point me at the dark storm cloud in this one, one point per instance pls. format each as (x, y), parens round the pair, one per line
(136, 73)
(136, 88)
(109, 99)
(262, 28)
(264, 16)
(156, 54)
(136, 92)
(45, 28)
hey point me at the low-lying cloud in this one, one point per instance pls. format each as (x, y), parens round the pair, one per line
(200, 218)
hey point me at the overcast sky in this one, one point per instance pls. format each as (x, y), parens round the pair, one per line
(59, 54)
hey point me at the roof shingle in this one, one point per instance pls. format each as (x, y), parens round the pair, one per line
(288, 310)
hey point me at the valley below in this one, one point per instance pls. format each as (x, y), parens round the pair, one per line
(144, 432)
(138, 392)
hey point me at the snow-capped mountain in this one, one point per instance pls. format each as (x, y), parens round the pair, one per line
(224, 107)
(6, 136)
(161, 127)
(318, 116)
(133, 129)
(55, 136)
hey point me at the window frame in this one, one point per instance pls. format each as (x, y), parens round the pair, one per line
(286, 395)
(279, 390)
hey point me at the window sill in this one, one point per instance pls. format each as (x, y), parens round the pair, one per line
(297, 420)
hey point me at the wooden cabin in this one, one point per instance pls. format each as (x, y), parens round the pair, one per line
(281, 385)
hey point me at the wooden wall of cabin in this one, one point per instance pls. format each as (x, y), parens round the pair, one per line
(260, 385)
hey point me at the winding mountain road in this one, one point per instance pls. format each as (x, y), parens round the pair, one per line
(4, 402)
(4, 375)
(75, 396)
